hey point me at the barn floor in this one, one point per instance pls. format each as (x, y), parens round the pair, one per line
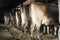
(5, 35)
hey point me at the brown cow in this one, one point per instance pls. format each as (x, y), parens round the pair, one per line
(40, 14)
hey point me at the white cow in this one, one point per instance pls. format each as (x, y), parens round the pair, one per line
(11, 19)
(24, 19)
(6, 19)
(18, 19)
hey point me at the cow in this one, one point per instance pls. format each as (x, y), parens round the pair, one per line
(40, 14)
(17, 16)
(24, 19)
(6, 19)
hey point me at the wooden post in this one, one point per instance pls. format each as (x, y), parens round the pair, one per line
(59, 9)
(59, 19)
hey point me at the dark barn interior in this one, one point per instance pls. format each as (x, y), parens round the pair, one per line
(29, 20)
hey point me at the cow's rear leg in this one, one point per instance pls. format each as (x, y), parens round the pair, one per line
(38, 32)
(38, 35)
(25, 30)
(32, 29)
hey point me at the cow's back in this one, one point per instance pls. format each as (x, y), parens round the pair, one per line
(38, 10)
